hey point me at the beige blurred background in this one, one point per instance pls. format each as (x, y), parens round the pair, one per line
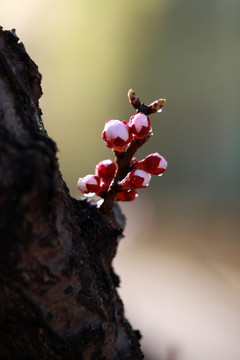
(180, 260)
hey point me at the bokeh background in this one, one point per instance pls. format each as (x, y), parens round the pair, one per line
(180, 259)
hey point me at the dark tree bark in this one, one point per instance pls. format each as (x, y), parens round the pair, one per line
(58, 297)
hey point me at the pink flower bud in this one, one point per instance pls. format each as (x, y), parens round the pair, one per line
(154, 164)
(89, 183)
(135, 179)
(106, 169)
(117, 135)
(127, 195)
(104, 184)
(140, 125)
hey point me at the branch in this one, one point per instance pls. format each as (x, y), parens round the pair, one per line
(124, 159)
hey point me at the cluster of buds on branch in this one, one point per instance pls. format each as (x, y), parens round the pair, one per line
(119, 180)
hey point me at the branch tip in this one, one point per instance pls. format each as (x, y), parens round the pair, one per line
(133, 99)
(156, 106)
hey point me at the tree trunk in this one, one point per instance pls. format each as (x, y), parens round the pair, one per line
(58, 297)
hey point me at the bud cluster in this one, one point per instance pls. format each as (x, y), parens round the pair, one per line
(120, 180)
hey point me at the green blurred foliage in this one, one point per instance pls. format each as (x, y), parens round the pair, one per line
(91, 52)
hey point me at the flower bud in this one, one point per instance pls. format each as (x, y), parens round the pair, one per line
(154, 164)
(106, 169)
(127, 195)
(104, 184)
(117, 135)
(89, 183)
(140, 125)
(135, 179)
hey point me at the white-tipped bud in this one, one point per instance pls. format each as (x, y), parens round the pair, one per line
(140, 125)
(117, 135)
(89, 183)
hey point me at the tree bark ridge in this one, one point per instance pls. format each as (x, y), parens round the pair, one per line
(58, 297)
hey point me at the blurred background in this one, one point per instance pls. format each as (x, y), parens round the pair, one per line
(180, 259)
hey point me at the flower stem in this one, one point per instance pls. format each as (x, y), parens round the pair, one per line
(123, 161)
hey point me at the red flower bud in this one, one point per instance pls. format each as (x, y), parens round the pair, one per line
(127, 195)
(104, 184)
(154, 164)
(117, 135)
(140, 125)
(135, 179)
(106, 169)
(89, 183)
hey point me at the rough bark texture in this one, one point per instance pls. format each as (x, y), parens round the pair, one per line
(58, 297)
